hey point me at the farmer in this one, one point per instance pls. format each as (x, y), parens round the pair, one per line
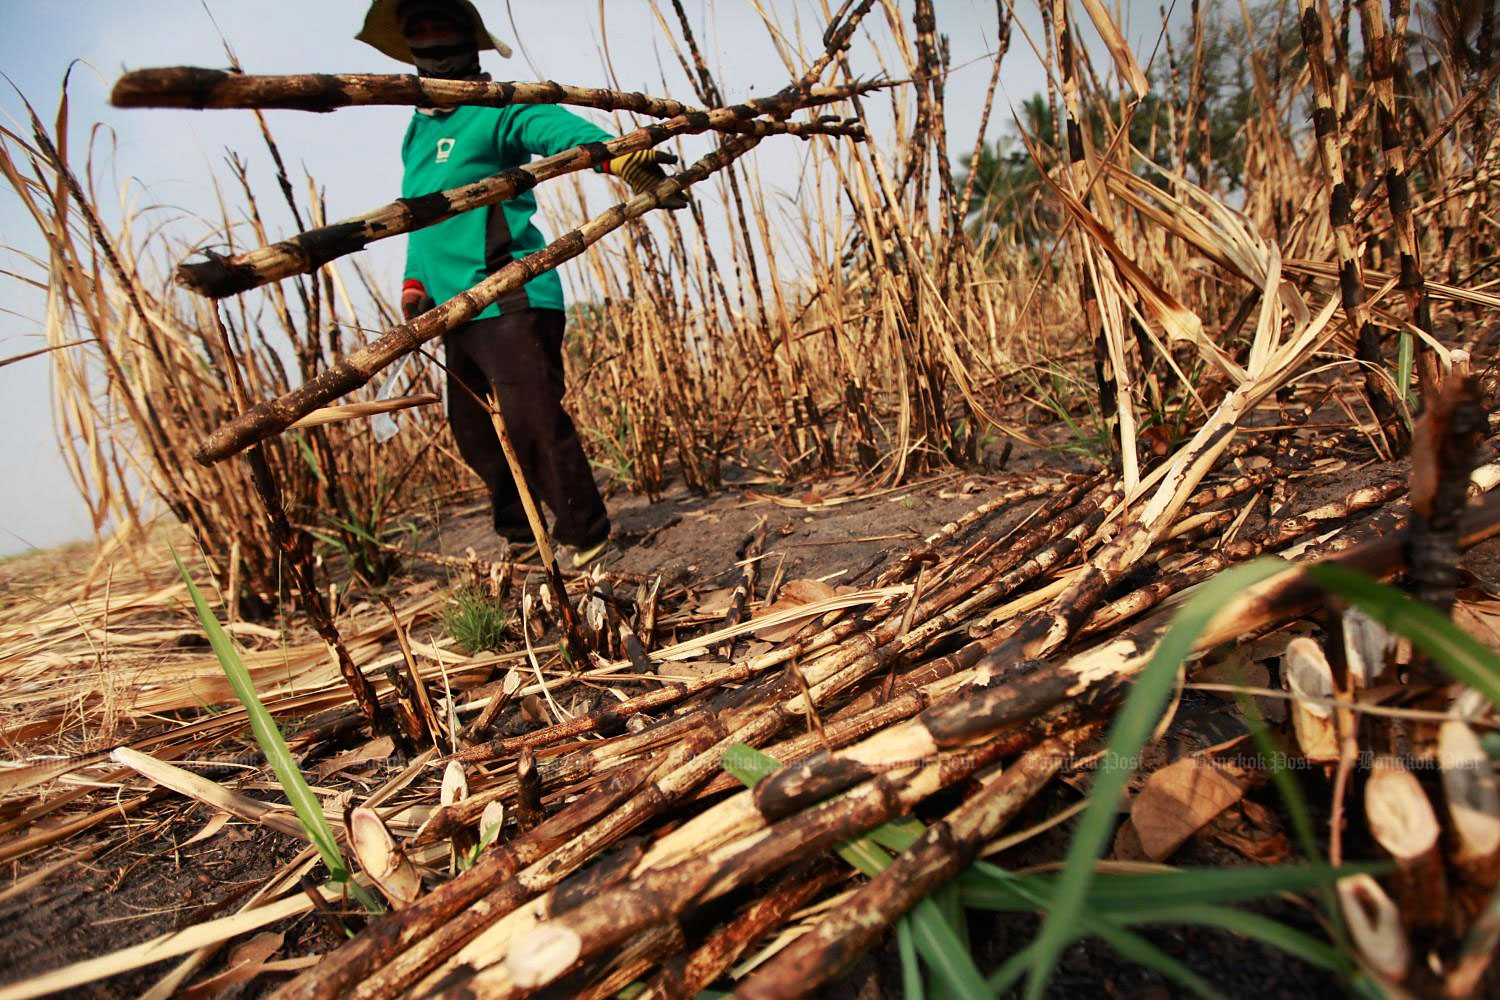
(513, 348)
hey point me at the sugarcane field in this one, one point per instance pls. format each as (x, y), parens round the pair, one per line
(854, 498)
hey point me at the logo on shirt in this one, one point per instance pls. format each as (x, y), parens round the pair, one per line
(444, 149)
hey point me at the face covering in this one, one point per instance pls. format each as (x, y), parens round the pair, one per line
(441, 38)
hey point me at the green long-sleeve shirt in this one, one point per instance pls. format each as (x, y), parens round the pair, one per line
(446, 149)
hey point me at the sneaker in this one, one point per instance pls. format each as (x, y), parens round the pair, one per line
(518, 551)
(581, 557)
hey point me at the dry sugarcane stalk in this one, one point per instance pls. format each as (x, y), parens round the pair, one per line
(528, 792)
(1310, 679)
(1379, 47)
(352, 371)
(914, 557)
(509, 685)
(690, 973)
(304, 253)
(657, 895)
(686, 766)
(744, 588)
(1351, 279)
(1069, 512)
(608, 871)
(1403, 823)
(1026, 688)
(312, 598)
(194, 87)
(942, 852)
(360, 957)
(379, 857)
(613, 973)
(419, 689)
(573, 641)
(741, 814)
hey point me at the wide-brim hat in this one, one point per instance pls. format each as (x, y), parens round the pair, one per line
(383, 30)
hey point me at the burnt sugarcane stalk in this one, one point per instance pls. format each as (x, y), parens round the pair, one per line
(909, 562)
(312, 598)
(659, 895)
(218, 277)
(685, 767)
(395, 932)
(1351, 278)
(1022, 690)
(354, 370)
(1066, 508)
(744, 589)
(1380, 48)
(689, 974)
(943, 851)
(198, 88)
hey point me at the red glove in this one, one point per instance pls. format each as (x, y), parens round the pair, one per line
(414, 299)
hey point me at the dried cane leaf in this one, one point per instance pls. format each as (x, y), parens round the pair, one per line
(1177, 801)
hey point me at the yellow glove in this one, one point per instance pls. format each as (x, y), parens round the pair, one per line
(642, 171)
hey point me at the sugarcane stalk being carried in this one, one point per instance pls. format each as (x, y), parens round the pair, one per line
(219, 276)
(199, 88)
(348, 373)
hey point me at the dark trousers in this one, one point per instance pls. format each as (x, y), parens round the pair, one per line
(520, 354)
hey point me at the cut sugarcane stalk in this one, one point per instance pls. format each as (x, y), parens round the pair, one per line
(1308, 675)
(1405, 826)
(391, 871)
(1375, 925)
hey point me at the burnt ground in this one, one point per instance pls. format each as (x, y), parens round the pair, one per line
(110, 890)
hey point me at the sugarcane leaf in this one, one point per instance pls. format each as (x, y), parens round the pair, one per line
(1132, 725)
(308, 808)
(911, 969)
(1454, 650)
(898, 834)
(950, 906)
(749, 765)
(864, 855)
(1252, 925)
(945, 954)
(988, 888)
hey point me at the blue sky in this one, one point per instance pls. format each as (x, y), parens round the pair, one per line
(173, 157)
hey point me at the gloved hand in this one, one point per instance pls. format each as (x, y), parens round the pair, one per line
(414, 299)
(642, 171)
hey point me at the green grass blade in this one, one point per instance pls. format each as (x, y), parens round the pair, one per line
(306, 805)
(945, 954)
(1135, 895)
(749, 765)
(949, 906)
(864, 855)
(1256, 926)
(1405, 355)
(1454, 650)
(911, 970)
(1132, 725)
(898, 834)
